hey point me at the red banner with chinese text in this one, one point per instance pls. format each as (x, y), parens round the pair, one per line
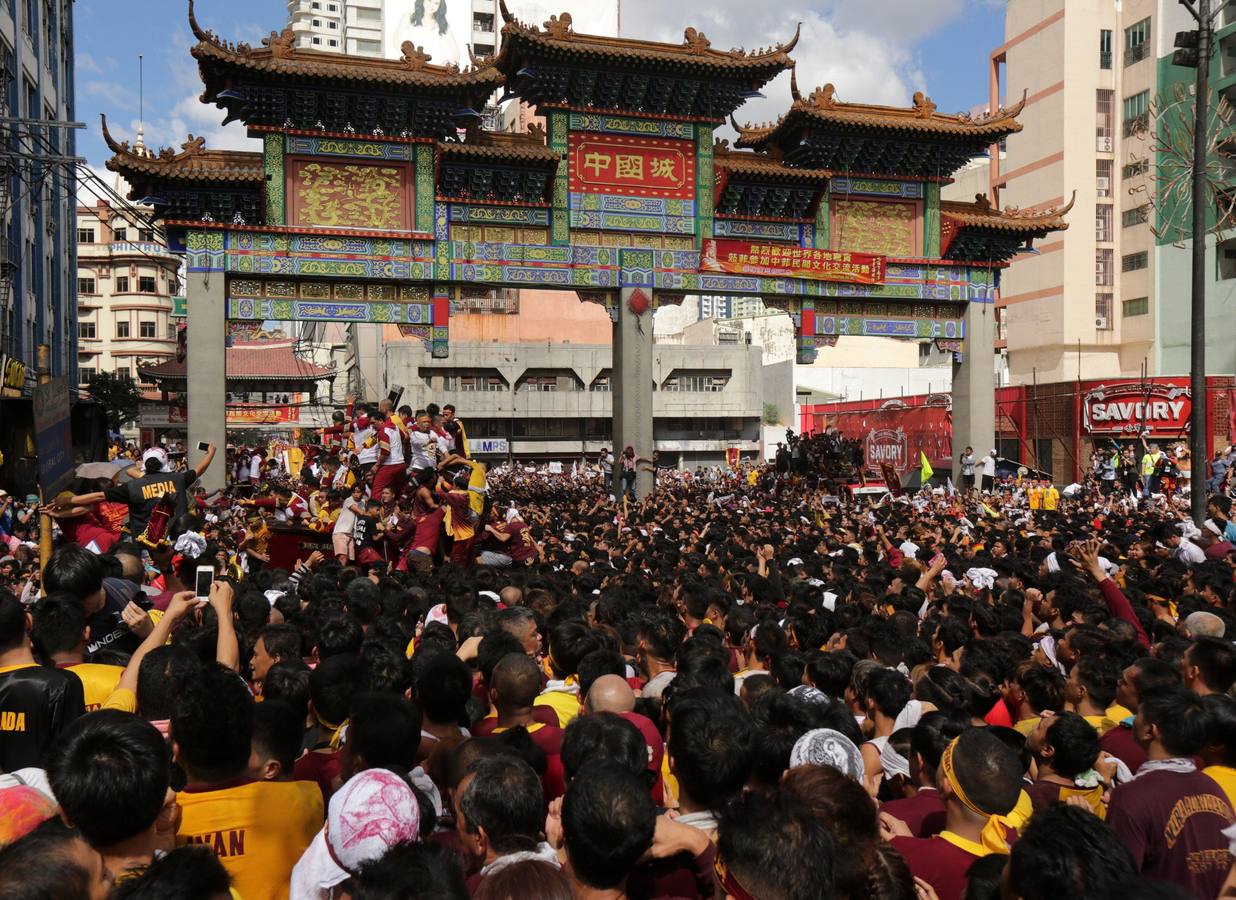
(782, 260)
(632, 166)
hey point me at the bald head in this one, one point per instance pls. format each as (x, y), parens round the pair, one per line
(611, 693)
(511, 596)
(132, 568)
(1203, 624)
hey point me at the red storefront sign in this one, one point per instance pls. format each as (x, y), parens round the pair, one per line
(782, 260)
(632, 167)
(886, 446)
(1160, 408)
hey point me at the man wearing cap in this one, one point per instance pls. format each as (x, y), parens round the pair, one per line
(144, 494)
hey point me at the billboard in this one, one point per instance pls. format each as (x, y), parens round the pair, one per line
(441, 28)
(1130, 407)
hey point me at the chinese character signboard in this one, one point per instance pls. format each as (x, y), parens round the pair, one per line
(632, 167)
(163, 415)
(783, 260)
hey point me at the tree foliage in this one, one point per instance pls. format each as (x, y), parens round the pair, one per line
(117, 397)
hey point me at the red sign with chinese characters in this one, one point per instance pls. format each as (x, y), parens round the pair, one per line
(783, 260)
(632, 166)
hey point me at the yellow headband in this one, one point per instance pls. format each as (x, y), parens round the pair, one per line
(993, 837)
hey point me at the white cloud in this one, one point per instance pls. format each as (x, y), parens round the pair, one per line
(88, 193)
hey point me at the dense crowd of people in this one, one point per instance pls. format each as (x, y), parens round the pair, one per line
(529, 683)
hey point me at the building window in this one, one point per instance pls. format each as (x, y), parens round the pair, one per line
(540, 384)
(1139, 306)
(125, 374)
(87, 286)
(1136, 113)
(1103, 177)
(1135, 168)
(317, 23)
(171, 331)
(86, 331)
(122, 328)
(334, 43)
(1103, 222)
(602, 384)
(696, 382)
(120, 234)
(316, 5)
(122, 284)
(1136, 42)
(146, 329)
(1105, 48)
(1104, 108)
(85, 235)
(1139, 215)
(146, 234)
(317, 40)
(1103, 267)
(146, 284)
(334, 25)
(1103, 312)
(1131, 262)
(85, 374)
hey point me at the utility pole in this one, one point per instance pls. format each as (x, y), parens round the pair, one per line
(43, 362)
(1195, 50)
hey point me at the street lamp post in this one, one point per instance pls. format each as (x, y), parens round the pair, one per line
(1203, 40)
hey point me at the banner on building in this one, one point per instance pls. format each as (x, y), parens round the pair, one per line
(1159, 408)
(785, 261)
(12, 376)
(894, 435)
(163, 415)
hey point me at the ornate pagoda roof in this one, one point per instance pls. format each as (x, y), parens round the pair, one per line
(493, 146)
(193, 162)
(761, 166)
(981, 214)
(278, 57)
(557, 66)
(251, 361)
(279, 85)
(819, 130)
(978, 231)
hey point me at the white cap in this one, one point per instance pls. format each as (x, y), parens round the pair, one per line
(156, 452)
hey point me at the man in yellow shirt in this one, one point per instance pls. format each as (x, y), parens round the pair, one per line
(60, 634)
(258, 829)
(1051, 497)
(1034, 494)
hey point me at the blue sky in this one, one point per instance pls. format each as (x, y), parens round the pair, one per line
(873, 50)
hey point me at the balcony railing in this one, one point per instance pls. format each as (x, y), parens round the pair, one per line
(1136, 54)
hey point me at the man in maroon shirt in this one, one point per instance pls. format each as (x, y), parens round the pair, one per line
(923, 813)
(1171, 816)
(1066, 852)
(979, 778)
(514, 685)
(1143, 676)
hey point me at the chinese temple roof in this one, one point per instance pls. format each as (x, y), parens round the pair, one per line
(492, 146)
(558, 66)
(251, 361)
(821, 132)
(739, 163)
(278, 83)
(977, 231)
(193, 162)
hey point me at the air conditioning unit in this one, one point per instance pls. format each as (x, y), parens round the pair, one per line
(1103, 145)
(1103, 183)
(1100, 322)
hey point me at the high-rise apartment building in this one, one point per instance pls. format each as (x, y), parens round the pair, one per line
(376, 27)
(1102, 302)
(37, 254)
(127, 281)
